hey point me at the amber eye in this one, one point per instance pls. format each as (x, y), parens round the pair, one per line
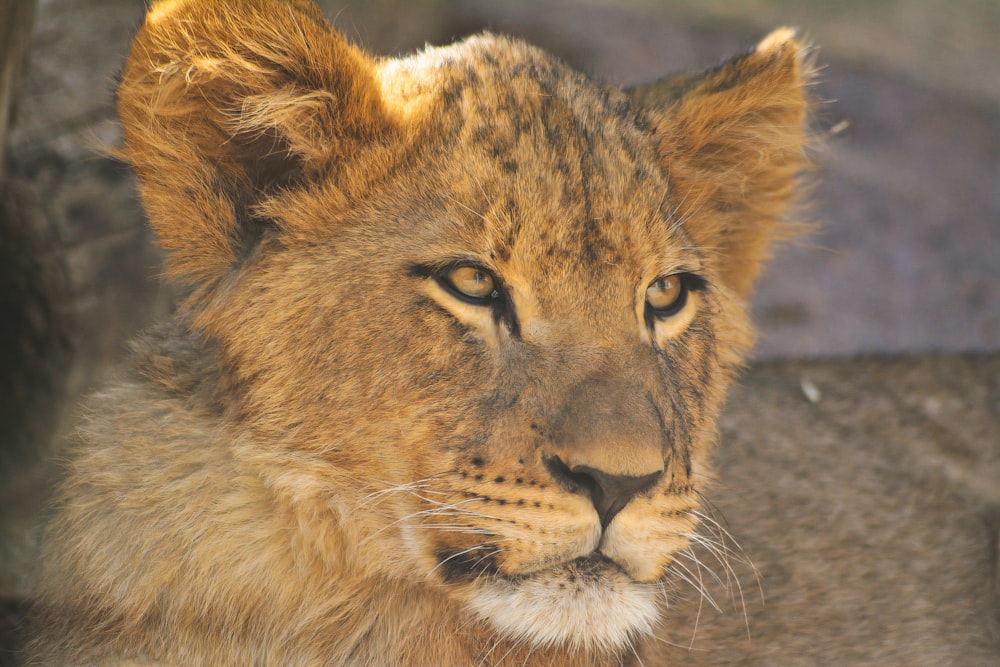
(667, 295)
(473, 282)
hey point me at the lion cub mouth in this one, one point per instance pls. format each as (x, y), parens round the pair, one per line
(595, 568)
(592, 567)
(593, 564)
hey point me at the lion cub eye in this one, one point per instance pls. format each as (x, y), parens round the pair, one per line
(473, 283)
(667, 295)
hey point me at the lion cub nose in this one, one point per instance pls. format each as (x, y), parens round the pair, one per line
(607, 440)
(609, 493)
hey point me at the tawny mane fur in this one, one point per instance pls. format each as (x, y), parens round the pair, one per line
(456, 332)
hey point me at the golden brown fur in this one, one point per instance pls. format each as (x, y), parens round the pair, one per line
(334, 456)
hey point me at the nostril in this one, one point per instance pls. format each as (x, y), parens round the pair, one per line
(569, 480)
(608, 492)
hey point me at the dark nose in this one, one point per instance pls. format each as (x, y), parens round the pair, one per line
(609, 493)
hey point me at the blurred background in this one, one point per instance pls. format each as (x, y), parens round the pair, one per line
(904, 257)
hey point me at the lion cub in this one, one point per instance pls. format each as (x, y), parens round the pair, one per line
(444, 384)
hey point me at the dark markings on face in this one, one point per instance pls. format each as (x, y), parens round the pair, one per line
(667, 446)
(464, 566)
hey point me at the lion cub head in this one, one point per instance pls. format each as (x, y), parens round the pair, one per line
(475, 313)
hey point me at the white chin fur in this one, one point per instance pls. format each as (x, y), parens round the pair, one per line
(592, 612)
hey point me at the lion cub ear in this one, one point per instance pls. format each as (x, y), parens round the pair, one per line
(225, 103)
(732, 141)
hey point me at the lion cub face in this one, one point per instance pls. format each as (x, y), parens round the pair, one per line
(477, 313)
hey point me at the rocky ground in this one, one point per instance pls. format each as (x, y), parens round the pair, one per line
(904, 258)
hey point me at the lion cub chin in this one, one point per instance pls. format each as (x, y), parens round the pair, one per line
(586, 604)
(445, 379)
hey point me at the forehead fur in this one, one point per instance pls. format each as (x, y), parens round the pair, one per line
(555, 162)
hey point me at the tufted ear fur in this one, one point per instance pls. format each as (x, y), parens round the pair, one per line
(224, 103)
(732, 141)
